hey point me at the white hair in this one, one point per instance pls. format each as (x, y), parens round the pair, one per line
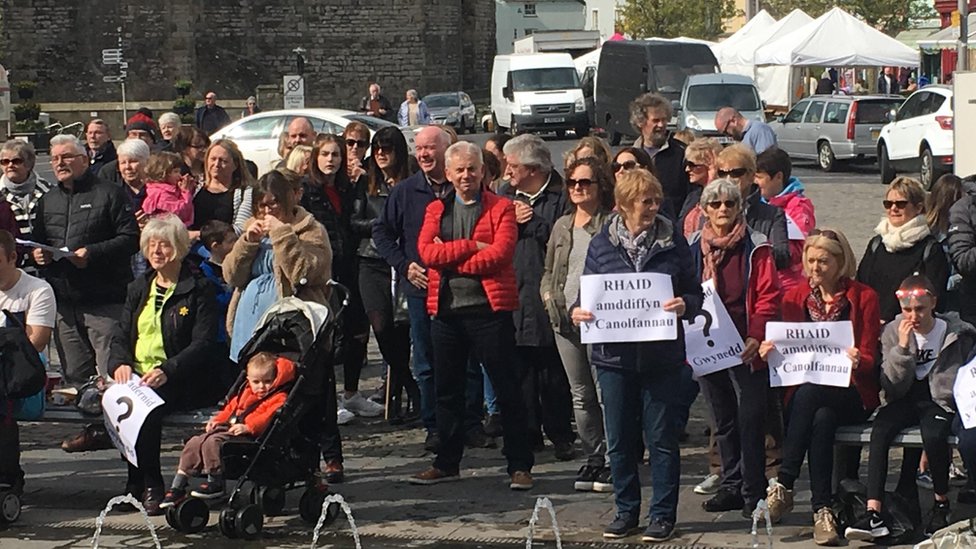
(170, 117)
(412, 94)
(65, 139)
(135, 149)
(463, 148)
(530, 150)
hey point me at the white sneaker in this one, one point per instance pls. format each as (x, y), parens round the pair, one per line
(708, 486)
(362, 407)
(344, 416)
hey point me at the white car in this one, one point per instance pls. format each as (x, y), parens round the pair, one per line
(919, 137)
(257, 135)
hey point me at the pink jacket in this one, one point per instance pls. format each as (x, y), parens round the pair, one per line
(162, 198)
(799, 209)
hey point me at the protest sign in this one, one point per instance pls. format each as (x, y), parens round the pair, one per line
(712, 342)
(124, 409)
(964, 390)
(627, 307)
(810, 352)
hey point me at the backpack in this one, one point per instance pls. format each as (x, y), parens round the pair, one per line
(930, 244)
(21, 368)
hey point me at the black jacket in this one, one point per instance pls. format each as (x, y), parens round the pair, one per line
(190, 319)
(884, 271)
(391, 113)
(96, 215)
(962, 249)
(669, 164)
(336, 223)
(100, 158)
(210, 120)
(771, 221)
(367, 208)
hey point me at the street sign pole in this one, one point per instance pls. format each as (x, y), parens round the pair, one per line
(122, 73)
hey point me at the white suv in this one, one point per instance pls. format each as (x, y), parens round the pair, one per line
(919, 137)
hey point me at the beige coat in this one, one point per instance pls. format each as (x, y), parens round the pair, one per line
(302, 256)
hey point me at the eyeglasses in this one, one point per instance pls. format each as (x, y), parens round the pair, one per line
(627, 165)
(362, 144)
(210, 97)
(385, 149)
(734, 172)
(9, 161)
(900, 204)
(692, 166)
(64, 158)
(913, 292)
(584, 183)
(826, 233)
(729, 204)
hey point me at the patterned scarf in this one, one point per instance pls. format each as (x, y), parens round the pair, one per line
(714, 247)
(817, 307)
(634, 245)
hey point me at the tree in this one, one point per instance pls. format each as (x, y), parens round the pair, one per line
(888, 16)
(670, 18)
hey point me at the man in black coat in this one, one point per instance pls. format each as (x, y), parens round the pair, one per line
(376, 104)
(98, 145)
(650, 114)
(211, 116)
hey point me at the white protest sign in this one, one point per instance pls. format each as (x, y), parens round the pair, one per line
(964, 390)
(810, 352)
(793, 231)
(627, 307)
(125, 407)
(712, 342)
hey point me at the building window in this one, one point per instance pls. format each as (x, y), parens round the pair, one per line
(595, 20)
(530, 10)
(529, 32)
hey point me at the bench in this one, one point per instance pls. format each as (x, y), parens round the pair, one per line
(71, 414)
(860, 435)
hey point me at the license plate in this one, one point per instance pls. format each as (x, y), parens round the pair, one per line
(875, 134)
(725, 140)
(554, 120)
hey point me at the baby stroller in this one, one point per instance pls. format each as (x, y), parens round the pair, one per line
(286, 456)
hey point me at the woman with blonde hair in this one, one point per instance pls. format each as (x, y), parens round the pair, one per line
(700, 157)
(298, 159)
(226, 194)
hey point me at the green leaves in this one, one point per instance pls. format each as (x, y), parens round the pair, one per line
(671, 18)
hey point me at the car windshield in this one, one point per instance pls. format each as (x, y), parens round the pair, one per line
(712, 97)
(875, 112)
(371, 122)
(544, 79)
(670, 78)
(442, 100)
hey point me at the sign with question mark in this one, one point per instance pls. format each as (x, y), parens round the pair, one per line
(124, 409)
(712, 342)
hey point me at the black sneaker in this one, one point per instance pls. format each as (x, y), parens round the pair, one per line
(564, 451)
(603, 482)
(585, 477)
(173, 497)
(868, 528)
(493, 425)
(621, 527)
(938, 517)
(209, 490)
(658, 530)
(433, 442)
(725, 500)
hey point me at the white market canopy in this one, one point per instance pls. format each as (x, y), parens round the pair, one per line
(837, 39)
(744, 53)
(758, 25)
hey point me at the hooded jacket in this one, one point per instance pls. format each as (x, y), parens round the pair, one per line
(259, 417)
(898, 368)
(163, 197)
(799, 209)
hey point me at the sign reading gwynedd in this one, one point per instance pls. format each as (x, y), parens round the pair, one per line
(627, 307)
(712, 343)
(810, 352)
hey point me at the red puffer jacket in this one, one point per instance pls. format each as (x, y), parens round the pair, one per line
(494, 264)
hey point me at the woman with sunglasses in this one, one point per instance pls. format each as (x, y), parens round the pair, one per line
(700, 157)
(814, 412)
(903, 245)
(630, 158)
(356, 136)
(740, 263)
(589, 188)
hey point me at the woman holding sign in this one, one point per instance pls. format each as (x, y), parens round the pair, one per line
(814, 412)
(637, 379)
(740, 262)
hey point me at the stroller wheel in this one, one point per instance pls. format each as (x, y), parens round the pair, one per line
(249, 521)
(228, 523)
(9, 507)
(272, 500)
(246, 494)
(310, 506)
(192, 515)
(173, 519)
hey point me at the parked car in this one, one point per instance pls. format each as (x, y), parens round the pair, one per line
(452, 109)
(919, 137)
(704, 94)
(832, 129)
(257, 135)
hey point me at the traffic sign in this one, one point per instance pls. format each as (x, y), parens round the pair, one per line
(113, 79)
(112, 56)
(294, 87)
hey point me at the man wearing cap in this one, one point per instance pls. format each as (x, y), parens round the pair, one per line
(211, 116)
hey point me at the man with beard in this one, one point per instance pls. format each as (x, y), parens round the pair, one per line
(757, 135)
(649, 115)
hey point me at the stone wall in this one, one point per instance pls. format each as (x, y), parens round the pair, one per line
(232, 46)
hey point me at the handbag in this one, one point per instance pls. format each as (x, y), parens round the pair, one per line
(30, 408)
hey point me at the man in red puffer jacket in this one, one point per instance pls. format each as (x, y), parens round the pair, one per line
(781, 189)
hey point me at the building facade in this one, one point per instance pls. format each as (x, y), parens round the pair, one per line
(518, 19)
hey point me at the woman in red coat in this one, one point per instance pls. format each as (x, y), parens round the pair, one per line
(814, 412)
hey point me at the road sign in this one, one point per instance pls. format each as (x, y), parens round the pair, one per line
(294, 87)
(113, 79)
(112, 56)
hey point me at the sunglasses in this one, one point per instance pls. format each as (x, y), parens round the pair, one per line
(9, 161)
(693, 166)
(584, 183)
(827, 233)
(734, 172)
(627, 165)
(900, 204)
(914, 292)
(385, 149)
(729, 204)
(362, 144)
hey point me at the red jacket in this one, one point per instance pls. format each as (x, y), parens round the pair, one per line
(799, 209)
(494, 264)
(258, 419)
(866, 319)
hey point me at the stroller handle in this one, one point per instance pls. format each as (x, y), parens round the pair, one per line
(344, 291)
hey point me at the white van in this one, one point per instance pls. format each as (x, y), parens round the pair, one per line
(537, 92)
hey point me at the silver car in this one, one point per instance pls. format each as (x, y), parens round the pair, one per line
(835, 128)
(452, 109)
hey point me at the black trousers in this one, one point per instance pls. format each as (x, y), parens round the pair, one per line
(353, 333)
(489, 339)
(10, 471)
(149, 474)
(915, 408)
(545, 394)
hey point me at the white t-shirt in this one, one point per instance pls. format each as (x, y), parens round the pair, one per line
(929, 346)
(31, 296)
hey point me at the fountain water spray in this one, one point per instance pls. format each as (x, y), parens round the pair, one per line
(543, 503)
(126, 498)
(335, 498)
(762, 512)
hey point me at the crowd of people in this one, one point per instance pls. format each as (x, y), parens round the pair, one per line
(466, 264)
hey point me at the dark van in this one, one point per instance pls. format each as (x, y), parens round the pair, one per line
(629, 68)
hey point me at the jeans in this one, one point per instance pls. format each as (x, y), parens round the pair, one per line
(813, 416)
(737, 398)
(474, 395)
(423, 362)
(632, 401)
(487, 339)
(491, 402)
(586, 402)
(545, 392)
(966, 445)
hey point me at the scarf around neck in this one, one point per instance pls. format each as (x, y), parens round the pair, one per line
(20, 189)
(817, 305)
(714, 247)
(901, 238)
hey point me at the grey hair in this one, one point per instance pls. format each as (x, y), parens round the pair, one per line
(65, 139)
(463, 148)
(529, 150)
(717, 189)
(251, 98)
(24, 150)
(134, 148)
(639, 107)
(412, 94)
(169, 228)
(170, 117)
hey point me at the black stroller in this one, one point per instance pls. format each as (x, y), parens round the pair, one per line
(286, 456)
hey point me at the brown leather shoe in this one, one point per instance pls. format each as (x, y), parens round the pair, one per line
(433, 476)
(92, 437)
(333, 472)
(521, 480)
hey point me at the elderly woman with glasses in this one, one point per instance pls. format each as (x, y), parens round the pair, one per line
(21, 188)
(814, 412)
(904, 244)
(739, 262)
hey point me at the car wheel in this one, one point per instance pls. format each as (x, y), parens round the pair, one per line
(461, 127)
(560, 134)
(825, 157)
(884, 163)
(513, 127)
(927, 170)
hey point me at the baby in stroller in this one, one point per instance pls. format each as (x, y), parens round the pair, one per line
(246, 415)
